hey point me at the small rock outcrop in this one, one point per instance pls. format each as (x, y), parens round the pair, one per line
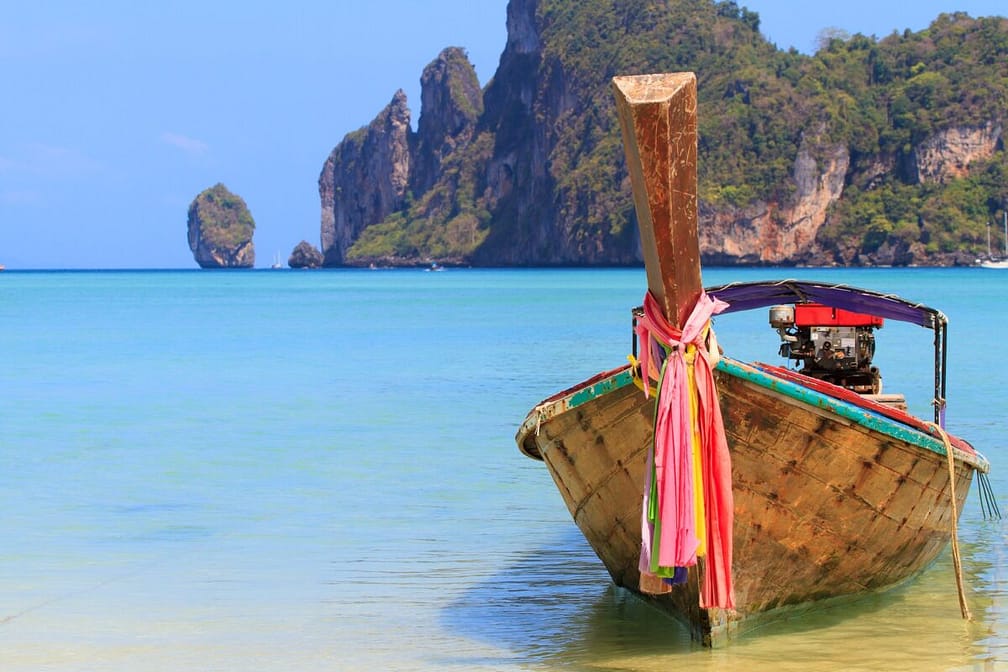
(221, 229)
(305, 255)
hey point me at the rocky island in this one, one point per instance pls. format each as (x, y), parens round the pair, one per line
(221, 229)
(305, 255)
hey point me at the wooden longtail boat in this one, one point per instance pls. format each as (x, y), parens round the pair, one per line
(837, 490)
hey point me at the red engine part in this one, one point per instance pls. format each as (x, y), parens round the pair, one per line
(818, 315)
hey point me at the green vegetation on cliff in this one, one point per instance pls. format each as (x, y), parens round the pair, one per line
(879, 98)
(225, 220)
(448, 222)
(220, 230)
(893, 95)
(889, 103)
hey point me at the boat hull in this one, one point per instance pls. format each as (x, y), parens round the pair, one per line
(830, 499)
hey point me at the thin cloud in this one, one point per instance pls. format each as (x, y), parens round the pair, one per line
(185, 143)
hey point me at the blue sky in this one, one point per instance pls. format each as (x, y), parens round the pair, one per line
(115, 114)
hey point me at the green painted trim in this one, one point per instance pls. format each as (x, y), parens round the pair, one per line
(856, 414)
(861, 416)
(603, 386)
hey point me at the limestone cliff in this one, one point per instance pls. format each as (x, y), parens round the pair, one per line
(519, 185)
(530, 170)
(947, 154)
(220, 229)
(451, 102)
(365, 178)
(772, 233)
(387, 169)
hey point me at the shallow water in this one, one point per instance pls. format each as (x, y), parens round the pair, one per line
(281, 470)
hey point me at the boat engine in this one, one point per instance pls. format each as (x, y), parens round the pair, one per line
(832, 344)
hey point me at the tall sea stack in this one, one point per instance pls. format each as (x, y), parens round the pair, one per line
(221, 229)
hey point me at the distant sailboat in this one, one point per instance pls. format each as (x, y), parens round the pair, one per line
(991, 261)
(276, 261)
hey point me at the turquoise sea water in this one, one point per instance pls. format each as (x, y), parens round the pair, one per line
(281, 470)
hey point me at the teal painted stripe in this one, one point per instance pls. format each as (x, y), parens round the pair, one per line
(862, 416)
(604, 386)
(856, 414)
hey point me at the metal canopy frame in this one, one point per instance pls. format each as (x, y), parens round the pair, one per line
(741, 296)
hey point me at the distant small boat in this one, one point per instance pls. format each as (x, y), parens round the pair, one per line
(991, 261)
(276, 262)
(435, 267)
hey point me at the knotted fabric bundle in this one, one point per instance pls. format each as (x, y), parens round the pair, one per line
(688, 506)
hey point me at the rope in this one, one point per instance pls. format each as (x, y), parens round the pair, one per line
(956, 559)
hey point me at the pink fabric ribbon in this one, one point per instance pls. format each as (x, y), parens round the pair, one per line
(672, 457)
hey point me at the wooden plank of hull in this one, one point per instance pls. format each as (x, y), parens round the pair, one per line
(823, 506)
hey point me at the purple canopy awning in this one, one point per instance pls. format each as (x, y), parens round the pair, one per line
(749, 295)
